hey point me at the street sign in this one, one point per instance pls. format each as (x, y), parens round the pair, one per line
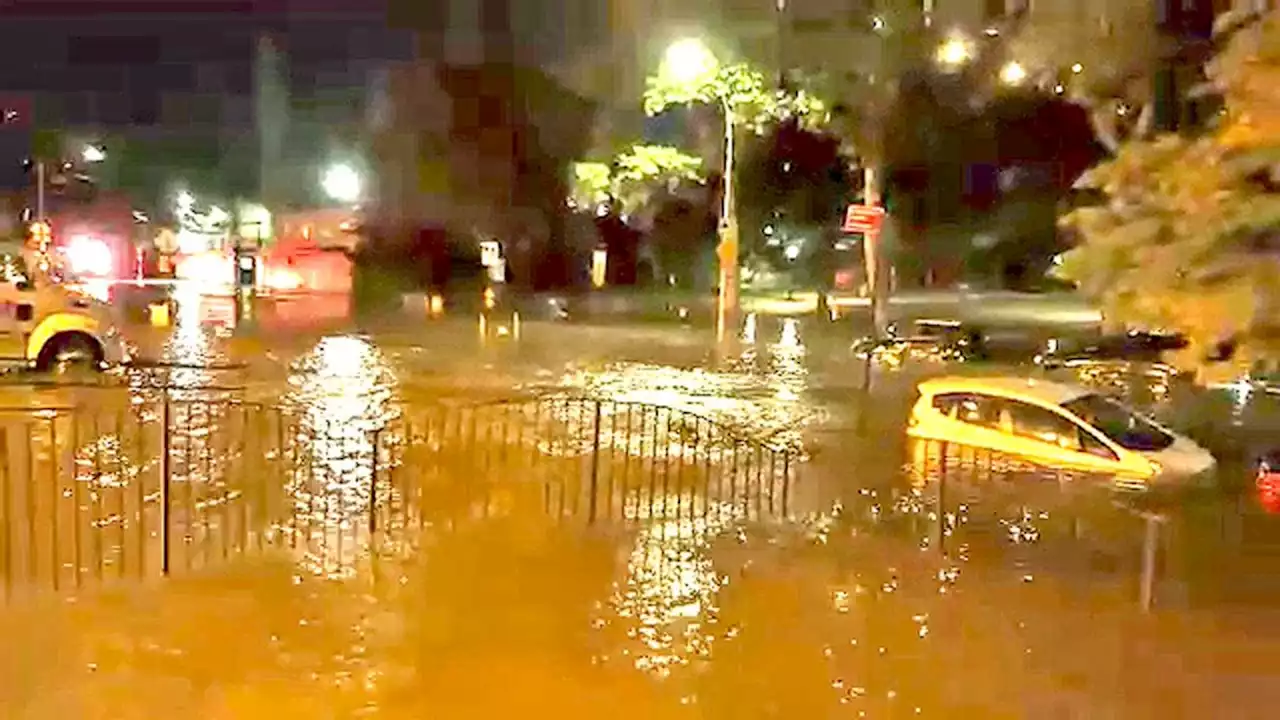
(865, 219)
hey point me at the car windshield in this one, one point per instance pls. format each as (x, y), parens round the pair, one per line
(1124, 427)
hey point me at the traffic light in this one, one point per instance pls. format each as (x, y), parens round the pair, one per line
(41, 235)
(246, 269)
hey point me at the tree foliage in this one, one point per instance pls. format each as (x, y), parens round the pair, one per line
(592, 184)
(634, 177)
(741, 89)
(1105, 68)
(645, 170)
(1188, 238)
(794, 178)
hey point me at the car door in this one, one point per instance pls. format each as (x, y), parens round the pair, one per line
(1057, 441)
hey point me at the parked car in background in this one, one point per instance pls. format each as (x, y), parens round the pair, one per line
(1133, 346)
(926, 339)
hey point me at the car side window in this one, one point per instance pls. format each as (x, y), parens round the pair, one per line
(980, 410)
(1037, 423)
(1094, 446)
(947, 403)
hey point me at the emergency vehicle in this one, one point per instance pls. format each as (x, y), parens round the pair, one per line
(47, 326)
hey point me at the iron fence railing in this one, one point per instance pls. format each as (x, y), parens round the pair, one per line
(150, 487)
(998, 508)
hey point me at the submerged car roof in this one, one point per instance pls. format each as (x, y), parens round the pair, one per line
(1045, 391)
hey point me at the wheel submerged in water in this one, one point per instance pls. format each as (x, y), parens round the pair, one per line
(70, 354)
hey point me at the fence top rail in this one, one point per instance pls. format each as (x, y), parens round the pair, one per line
(728, 430)
(725, 430)
(90, 409)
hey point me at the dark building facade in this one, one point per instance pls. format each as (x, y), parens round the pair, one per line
(474, 139)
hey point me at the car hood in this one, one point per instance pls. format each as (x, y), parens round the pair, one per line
(1184, 459)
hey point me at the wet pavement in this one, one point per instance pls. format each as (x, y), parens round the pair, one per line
(891, 591)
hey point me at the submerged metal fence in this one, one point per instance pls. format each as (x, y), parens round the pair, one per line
(89, 495)
(982, 503)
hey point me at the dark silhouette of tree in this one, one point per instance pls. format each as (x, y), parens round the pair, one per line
(683, 232)
(797, 177)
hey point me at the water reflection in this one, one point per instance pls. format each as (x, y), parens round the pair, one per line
(667, 604)
(761, 395)
(191, 361)
(342, 393)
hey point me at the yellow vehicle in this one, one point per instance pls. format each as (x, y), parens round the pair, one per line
(1055, 425)
(48, 327)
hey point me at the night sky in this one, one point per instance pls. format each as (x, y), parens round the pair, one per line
(145, 46)
(114, 63)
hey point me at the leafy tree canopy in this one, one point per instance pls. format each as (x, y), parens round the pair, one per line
(1189, 236)
(745, 91)
(634, 176)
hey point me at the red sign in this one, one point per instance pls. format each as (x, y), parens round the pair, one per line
(863, 219)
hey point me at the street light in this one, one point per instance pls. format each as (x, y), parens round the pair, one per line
(93, 154)
(341, 183)
(1013, 73)
(691, 64)
(955, 52)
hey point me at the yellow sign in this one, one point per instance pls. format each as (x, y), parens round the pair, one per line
(727, 250)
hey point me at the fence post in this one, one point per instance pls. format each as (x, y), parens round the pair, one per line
(942, 498)
(1150, 545)
(165, 483)
(373, 488)
(595, 465)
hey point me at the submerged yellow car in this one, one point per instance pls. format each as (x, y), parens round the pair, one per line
(1056, 425)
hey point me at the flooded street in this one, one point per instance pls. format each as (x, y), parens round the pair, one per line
(627, 536)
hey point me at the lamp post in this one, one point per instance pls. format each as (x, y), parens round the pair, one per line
(691, 63)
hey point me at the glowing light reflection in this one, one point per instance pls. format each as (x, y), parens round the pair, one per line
(343, 390)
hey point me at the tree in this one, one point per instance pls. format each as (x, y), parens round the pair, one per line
(1188, 236)
(743, 90)
(634, 177)
(795, 181)
(592, 184)
(1103, 67)
(691, 74)
(645, 170)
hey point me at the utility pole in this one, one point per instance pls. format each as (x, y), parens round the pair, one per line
(39, 190)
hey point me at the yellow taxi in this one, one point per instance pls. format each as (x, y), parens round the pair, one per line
(1055, 425)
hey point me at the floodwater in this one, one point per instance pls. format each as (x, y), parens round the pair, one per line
(879, 592)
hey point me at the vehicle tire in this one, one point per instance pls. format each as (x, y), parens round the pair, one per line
(70, 353)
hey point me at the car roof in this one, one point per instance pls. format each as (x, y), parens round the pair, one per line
(1044, 391)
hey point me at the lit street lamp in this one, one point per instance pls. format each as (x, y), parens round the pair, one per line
(1013, 73)
(93, 154)
(955, 52)
(691, 63)
(341, 183)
